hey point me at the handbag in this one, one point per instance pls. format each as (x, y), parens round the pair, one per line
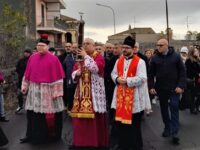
(3, 138)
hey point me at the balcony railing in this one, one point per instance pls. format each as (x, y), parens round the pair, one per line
(62, 3)
(53, 25)
(56, 24)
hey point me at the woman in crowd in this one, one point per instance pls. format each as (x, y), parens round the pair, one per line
(193, 74)
(3, 138)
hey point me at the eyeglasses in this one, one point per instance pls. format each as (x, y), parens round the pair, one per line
(159, 45)
(108, 47)
(125, 47)
(67, 46)
(98, 49)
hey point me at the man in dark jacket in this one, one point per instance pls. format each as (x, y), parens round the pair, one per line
(69, 86)
(20, 69)
(170, 80)
(110, 58)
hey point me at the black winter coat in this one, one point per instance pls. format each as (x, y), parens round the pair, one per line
(167, 72)
(20, 69)
(193, 71)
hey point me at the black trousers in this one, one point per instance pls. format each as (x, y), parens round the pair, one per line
(3, 138)
(37, 127)
(195, 99)
(20, 99)
(130, 136)
(69, 97)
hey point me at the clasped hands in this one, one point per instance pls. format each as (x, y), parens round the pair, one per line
(122, 80)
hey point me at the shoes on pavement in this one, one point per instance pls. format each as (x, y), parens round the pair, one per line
(154, 101)
(166, 133)
(175, 140)
(24, 140)
(4, 119)
(148, 112)
(194, 112)
(18, 110)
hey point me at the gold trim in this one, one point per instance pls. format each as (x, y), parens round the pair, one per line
(124, 121)
(81, 115)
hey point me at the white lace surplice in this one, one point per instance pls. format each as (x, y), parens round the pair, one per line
(98, 88)
(40, 97)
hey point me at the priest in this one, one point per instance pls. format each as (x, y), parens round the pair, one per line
(130, 96)
(43, 84)
(89, 121)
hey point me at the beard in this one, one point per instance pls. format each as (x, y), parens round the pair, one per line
(127, 54)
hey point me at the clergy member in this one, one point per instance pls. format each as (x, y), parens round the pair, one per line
(130, 96)
(89, 108)
(43, 84)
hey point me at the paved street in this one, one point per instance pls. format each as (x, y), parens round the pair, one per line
(152, 128)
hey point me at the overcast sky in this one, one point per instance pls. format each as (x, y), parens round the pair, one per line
(147, 13)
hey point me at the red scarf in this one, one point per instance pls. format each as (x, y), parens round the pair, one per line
(125, 94)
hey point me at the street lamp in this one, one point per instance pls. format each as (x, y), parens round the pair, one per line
(112, 12)
(167, 20)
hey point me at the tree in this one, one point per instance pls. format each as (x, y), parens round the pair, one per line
(162, 35)
(12, 27)
(198, 36)
(188, 35)
(191, 35)
(12, 24)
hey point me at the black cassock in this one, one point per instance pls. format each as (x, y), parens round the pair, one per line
(3, 138)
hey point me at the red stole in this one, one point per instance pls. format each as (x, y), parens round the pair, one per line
(82, 105)
(125, 94)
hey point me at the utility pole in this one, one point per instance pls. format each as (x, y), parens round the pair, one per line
(167, 21)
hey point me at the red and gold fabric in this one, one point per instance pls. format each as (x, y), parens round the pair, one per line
(125, 94)
(82, 104)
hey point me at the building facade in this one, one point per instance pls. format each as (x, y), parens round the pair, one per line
(140, 35)
(48, 13)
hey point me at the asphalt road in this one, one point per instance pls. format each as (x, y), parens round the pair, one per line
(152, 128)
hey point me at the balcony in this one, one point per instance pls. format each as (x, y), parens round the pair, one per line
(53, 26)
(62, 3)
